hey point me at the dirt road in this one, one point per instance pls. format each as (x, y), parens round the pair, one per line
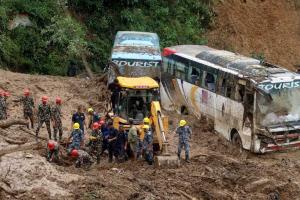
(217, 170)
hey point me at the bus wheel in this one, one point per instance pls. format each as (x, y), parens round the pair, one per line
(236, 141)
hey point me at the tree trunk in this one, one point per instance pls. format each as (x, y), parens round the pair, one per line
(86, 66)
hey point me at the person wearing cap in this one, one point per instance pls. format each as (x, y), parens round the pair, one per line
(185, 133)
(5, 97)
(56, 119)
(95, 141)
(2, 106)
(79, 117)
(83, 158)
(28, 106)
(44, 116)
(52, 151)
(77, 138)
(121, 144)
(94, 117)
(148, 144)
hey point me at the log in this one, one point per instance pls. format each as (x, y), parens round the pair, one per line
(7, 123)
(187, 195)
(5, 135)
(24, 147)
(32, 133)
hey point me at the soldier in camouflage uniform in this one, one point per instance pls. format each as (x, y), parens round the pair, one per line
(2, 106)
(28, 106)
(83, 158)
(52, 151)
(77, 136)
(95, 141)
(56, 119)
(44, 115)
(184, 132)
(5, 97)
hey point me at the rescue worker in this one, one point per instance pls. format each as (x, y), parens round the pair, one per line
(77, 138)
(115, 89)
(79, 117)
(52, 151)
(121, 144)
(5, 97)
(95, 141)
(2, 106)
(83, 159)
(44, 115)
(104, 130)
(56, 119)
(139, 146)
(133, 139)
(185, 133)
(112, 137)
(28, 106)
(148, 144)
(94, 117)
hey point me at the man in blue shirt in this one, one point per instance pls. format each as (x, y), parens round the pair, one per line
(79, 118)
(121, 144)
(112, 137)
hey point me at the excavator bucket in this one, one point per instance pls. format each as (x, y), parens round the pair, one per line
(166, 160)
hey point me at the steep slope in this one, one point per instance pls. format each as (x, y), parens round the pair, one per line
(267, 27)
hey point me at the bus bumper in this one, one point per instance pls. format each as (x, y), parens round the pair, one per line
(280, 147)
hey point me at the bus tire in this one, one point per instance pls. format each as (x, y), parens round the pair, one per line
(237, 141)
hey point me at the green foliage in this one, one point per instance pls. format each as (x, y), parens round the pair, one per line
(258, 55)
(56, 36)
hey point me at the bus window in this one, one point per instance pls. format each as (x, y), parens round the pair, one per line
(239, 92)
(181, 71)
(210, 81)
(194, 76)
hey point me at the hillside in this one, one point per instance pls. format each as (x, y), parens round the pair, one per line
(270, 29)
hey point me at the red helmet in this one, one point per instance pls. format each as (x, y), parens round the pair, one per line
(101, 122)
(44, 99)
(6, 94)
(58, 100)
(95, 125)
(51, 145)
(74, 153)
(26, 92)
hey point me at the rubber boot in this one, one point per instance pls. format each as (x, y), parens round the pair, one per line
(178, 156)
(187, 158)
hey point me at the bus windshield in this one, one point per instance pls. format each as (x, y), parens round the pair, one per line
(279, 105)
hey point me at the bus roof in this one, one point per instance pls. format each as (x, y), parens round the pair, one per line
(141, 83)
(234, 63)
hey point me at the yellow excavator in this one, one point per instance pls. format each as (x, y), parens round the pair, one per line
(139, 98)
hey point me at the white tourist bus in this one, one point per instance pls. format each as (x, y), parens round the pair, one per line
(254, 104)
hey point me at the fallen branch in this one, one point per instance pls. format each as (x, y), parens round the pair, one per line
(187, 195)
(7, 123)
(13, 141)
(32, 133)
(20, 148)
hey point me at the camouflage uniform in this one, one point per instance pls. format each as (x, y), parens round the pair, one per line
(44, 115)
(96, 144)
(148, 146)
(5, 107)
(28, 105)
(184, 133)
(2, 108)
(84, 159)
(57, 125)
(53, 154)
(77, 136)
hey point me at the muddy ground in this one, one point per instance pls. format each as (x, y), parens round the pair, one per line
(217, 170)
